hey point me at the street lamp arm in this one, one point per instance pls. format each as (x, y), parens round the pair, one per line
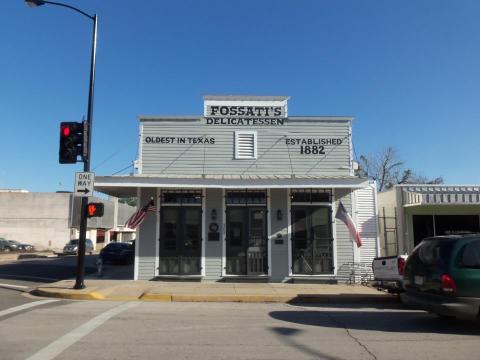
(79, 283)
(42, 2)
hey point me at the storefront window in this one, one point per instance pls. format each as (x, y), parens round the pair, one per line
(311, 196)
(237, 197)
(181, 197)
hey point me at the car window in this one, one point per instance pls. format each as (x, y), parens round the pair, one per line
(471, 255)
(435, 252)
(117, 246)
(73, 242)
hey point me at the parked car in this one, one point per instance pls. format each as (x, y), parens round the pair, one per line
(71, 248)
(117, 252)
(388, 272)
(20, 246)
(442, 275)
(5, 245)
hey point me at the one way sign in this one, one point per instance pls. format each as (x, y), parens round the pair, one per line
(84, 183)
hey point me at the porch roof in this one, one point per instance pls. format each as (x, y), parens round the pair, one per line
(125, 186)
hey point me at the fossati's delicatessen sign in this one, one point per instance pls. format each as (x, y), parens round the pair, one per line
(248, 115)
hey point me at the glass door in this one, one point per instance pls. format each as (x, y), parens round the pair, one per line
(246, 241)
(312, 249)
(180, 240)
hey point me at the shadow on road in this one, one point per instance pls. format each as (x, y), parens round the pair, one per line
(46, 270)
(387, 321)
(287, 336)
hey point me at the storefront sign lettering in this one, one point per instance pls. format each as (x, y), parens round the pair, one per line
(179, 140)
(313, 146)
(245, 111)
(245, 121)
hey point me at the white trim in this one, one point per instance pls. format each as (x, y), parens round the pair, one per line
(374, 186)
(334, 234)
(239, 133)
(311, 203)
(350, 145)
(356, 249)
(157, 235)
(269, 233)
(105, 183)
(289, 233)
(224, 232)
(137, 242)
(140, 152)
(204, 234)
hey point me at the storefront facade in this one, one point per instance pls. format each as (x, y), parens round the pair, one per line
(244, 191)
(409, 213)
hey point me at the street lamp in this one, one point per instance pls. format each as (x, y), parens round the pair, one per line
(79, 283)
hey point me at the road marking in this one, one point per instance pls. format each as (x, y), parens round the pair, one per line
(15, 287)
(58, 346)
(25, 306)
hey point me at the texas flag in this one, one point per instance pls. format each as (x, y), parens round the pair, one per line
(343, 215)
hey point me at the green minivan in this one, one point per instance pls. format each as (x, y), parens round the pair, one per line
(442, 275)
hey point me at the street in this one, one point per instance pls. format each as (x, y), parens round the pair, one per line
(144, 330)
(47, 270)
(41, 328)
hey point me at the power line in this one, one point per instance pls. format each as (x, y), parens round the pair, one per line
(112, 155)
(125, 168)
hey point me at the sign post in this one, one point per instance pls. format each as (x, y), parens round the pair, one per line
(83, 188)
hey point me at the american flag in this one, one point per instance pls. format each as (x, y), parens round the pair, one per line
(138, 216)
(342, 214)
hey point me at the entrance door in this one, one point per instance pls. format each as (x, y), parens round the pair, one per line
(246, 241)
(180, 240)
(312, 241)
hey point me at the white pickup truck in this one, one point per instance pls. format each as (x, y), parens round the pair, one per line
(388, 272)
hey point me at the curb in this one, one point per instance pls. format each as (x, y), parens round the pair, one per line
(286, 299)
(69, 296)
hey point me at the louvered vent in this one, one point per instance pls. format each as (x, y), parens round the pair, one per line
(245, 145)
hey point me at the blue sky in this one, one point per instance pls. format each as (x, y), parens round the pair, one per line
(408, 71)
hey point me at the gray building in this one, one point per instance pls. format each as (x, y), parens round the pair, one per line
(49, 220)
(244, 191)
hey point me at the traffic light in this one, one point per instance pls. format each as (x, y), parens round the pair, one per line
(95, 209)
(71, 142)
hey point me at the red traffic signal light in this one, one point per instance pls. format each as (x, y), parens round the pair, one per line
(94, 210)
(71, 142)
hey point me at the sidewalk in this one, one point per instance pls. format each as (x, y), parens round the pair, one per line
(129, 290)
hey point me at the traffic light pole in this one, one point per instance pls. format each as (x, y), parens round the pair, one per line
(79, 282)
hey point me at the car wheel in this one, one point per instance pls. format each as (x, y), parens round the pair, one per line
(6, 249)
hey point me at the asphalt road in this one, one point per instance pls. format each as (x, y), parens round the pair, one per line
(116, 330)
(45, 269)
